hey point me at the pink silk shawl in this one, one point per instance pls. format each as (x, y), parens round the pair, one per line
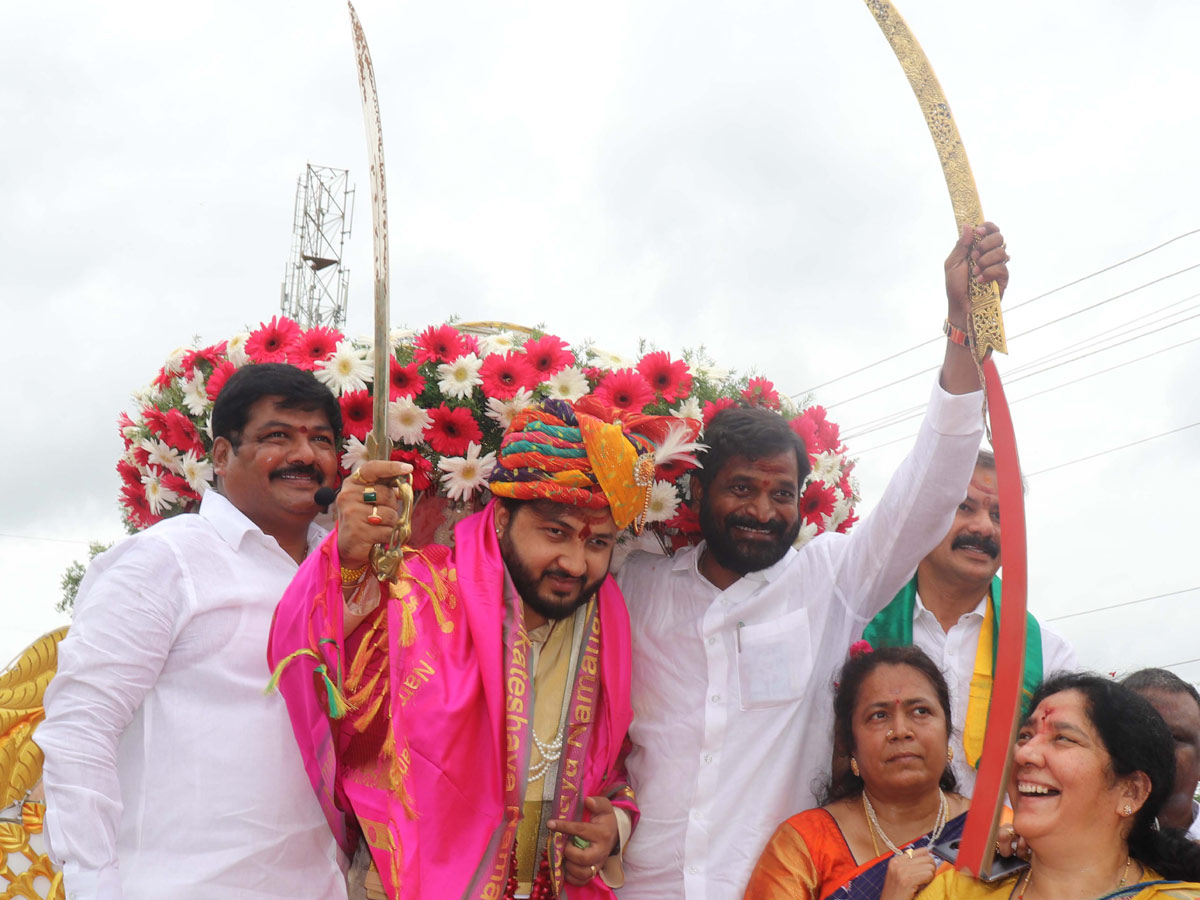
(452, 722)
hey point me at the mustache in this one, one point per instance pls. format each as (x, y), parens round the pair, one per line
(775, 526)
(974, 541)
(299, 469)
(559, 573)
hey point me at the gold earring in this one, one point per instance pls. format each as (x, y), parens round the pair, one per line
(949, 753)
(1128, 810)
(854, 767)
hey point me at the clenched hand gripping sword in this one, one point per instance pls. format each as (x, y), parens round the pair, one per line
(985, 331)
(385, 559)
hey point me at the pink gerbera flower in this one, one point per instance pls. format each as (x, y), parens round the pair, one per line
(624, 389)
(314, 346)
(437, 345)
(405, 381)
(761, 392)
(217, 379)
(356, 413)
(666, 376)
(505, 374)
(712, 407)
(273, 341)
(450, 431)
(548, 355)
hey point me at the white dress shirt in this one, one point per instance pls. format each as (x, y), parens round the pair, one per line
(169, 772)
(732, 690)
(954, 653)
(1193, 832)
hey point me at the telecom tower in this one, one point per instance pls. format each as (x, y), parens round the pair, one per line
(316, 285)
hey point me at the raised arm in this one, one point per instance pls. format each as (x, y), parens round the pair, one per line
(918, 504)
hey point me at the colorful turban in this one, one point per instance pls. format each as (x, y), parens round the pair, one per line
(589, 455)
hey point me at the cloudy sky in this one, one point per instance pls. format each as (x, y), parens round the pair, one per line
(755, 178)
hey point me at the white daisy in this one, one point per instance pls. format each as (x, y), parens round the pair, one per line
(158, 496)
(664, 501)
(827, 468)
(503, 411)
(688, 409)
(355, 454)
(807, 533)
(398, 336)
(567, 384)
(710, 372)
(235, 349)
(347, 370)
(501, 342)
(174, 362)
(457, 379)
(162, 455)
(841, 509)
(194, 396)
(604, 360)
(406, 421)
(198, 471)
(466, 474)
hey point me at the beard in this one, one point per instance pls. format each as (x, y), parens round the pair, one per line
(745, 556)
(537, 594)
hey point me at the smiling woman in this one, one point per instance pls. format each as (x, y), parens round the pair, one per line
(870, 839)
(1093, 766)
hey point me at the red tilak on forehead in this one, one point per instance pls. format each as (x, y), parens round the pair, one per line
(1044, 724)
(585, 532)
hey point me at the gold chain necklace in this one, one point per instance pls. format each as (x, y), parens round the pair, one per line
(873, 826)
(1120, 884)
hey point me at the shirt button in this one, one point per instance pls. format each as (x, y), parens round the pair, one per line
(708, 757)
(716, 698)
(711, 641)
(693, 870)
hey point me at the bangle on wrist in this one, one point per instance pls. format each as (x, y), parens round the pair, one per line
(354, 576)
(955, 335)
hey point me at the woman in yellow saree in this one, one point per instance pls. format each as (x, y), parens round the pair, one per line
(869, 840)
(1094, 764)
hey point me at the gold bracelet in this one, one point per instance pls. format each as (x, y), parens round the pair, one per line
(354, 576)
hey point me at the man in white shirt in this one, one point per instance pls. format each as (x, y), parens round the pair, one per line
(168, 772)
(950, 610)
(736, 641)
(1178, 703)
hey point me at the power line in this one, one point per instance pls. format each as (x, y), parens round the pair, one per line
(1112, 450)
(1088, 612)
(1012, 308)
(29, 537)
(1183, 663)
(913, 412)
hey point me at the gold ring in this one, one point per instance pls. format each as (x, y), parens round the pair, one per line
(909, 852)
(593, 871)
(374, 518)
(358, 479)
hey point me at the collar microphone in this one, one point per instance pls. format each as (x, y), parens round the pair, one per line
(323, 497)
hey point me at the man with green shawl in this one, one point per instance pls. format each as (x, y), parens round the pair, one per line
(951, 609)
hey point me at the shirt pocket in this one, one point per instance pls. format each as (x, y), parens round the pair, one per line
(774, 661)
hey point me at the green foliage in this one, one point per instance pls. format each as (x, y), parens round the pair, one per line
(73, 575)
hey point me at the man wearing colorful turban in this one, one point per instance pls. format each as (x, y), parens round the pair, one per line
(468, 730)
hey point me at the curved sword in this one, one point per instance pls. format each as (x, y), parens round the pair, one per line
(977, 848)
(385, 560)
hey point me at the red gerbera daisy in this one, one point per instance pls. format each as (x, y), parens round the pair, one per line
(356, 414)
(129, 474)
(624, 389)
(314, 346)
(156, 421)
(817, 502)
(548, 355)
(180, 486)
(685, 520)
(804, 426)
(422, 473)
(712, 407)
(450, 431)
(827, 432)
(847, 523)
(211, 355)
(181, 434)
(273, 341)
(761, 392)
(123, 422)
(137, 507)
(667, 377)
(505, 374)
(406, 381)
(470, 343)
(441, 344)
(217, 379)
(163, 379)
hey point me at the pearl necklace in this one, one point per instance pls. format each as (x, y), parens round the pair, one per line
(938, 823)
(550, 753)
